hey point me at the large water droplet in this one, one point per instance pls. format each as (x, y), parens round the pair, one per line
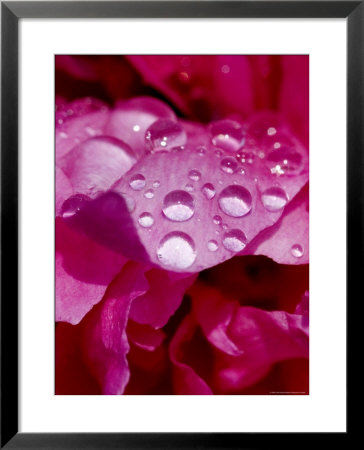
(234, 240)
(229, 165)
(178, 206)
(137, 182)
(284, 160)
(177, 250)
(235, 201)
(212, 245)
(165, 134)
(227, 134)
(194, 175)
(208, 191)
(73, 204)
(297, 250)
(146, 220)
(274, 199)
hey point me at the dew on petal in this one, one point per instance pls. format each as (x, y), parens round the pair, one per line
(229, 165)
(208, 191)
(217, 220)
(284, 160)
(146, 220)
(194, 175)
(178, 206)
(245, 157)
(177, 250)
(297, 251)
(212, 245)
(235, 201)
(137, 182)
(201, 151)
(218, 153)
(227, 134)
(189, 187)
(234, 240)
(165, 134)
(156, 184)
(73, 204)
(274, 199)
(149, 193)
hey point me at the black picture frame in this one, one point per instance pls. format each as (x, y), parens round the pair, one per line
(11, 12)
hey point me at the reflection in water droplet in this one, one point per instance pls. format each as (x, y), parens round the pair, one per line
(227, 134)
(208, 190)
(229, 165)
(137, 182)
(284, 160)
(234, 240)
(165, 134)
(149, 193)
(217, 220)
(73, 204)
(194, 175)
(274, 199)
(177, 250)
(297, 250)
(146, 220)
(212, 245)
(178, 206)
(235, 201)
(156, 183)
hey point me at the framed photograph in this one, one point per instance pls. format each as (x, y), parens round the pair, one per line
(181, 201)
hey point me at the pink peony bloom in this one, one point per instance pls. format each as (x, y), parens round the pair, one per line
(182, 224)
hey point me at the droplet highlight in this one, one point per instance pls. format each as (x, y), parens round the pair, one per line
(208, 191)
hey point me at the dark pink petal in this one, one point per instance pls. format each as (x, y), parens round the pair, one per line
(83, 271)
(105, 340)
(144, 336)
(186, 381)
(164, 296)
(63, 189)
(131, 118)
(95, 164)
(79, 66)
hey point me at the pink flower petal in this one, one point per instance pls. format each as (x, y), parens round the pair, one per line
(144, 336)
(63, 189)
(83, 271)
(105, 340)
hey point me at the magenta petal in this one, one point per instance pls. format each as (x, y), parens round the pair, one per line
(105, 341)
(95, 164)
(144, 336)
(164, 296)
(287, 241)
(63, 189)
(186, 381)
(83, 271)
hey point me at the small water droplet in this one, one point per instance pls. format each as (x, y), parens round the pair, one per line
(218, 153)
(201, 151)
(224, 226)
(177, 250)
(217, 220)
(227, 134)
(178, 206)
(235, 201)
(137, 182)
(274, 199)
(73, 204)
(194, 175)
(146, 220)
(189, 187)
(156, 183)
(297, 250)
(234, 240)
(229, 165)
(212, 245)
(149, 193)
(63, 135)
(241, 171)
(165, 134)
(245, 157)
(208, 190)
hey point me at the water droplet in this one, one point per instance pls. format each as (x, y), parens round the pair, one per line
(284, 160)
(274, 199)
(146, 220)
(212, 245)
(217, 220)
(245, 157)
(235, 201)
(194, 175)
(177, 250)
(227, 134)
(156, 183)
(241, 171)
(149, 193)
(137, 182)
(297, 250)
(63, 135)
(218, 153)
(189, 187)
(201, 151)
(234, 240)
(73, 204)
(224, 226)
(208, 190)
(229, 165)
(178, 206)
(165, 134)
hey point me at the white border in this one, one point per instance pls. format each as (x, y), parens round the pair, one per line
(324, 408)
